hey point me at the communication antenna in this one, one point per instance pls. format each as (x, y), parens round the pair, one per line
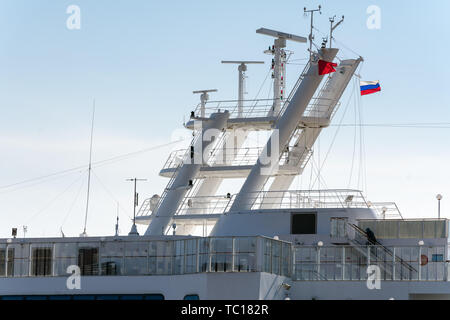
(117, 221)
(25, 229)
(279, 62)
(242, 68)
(133, 231)
(332, 27)
(311, 35)
(204, 97)
(84, 234)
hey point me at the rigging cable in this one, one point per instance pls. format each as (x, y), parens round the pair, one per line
(72, 205)
(53, 200)
(100, 163)
(111, 195)
(338, 129)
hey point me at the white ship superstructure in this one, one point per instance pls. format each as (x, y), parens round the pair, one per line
(266, 241)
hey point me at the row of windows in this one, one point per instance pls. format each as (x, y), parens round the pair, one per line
(108, 258)
(97, 297)
(130, 258)
(88, 261)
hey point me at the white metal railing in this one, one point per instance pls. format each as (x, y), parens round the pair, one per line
(125, 256)
(257, 108)
(223, 156)
(204, 205)
(351, 263)
(386, 210)
(287, 199)
(299, 199)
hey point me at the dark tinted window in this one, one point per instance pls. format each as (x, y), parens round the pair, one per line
(303, 223)
(42, 262)
(88, 261)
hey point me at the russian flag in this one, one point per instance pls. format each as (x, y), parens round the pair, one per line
(368, 87)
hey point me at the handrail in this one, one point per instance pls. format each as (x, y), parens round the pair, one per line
(251, 107)
(290, 199)
(377, 243)
(240, 156)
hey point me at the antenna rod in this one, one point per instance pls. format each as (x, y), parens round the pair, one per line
(117, 221)
(311, 36)
(89, 171)
(135, 204)
(334, 27)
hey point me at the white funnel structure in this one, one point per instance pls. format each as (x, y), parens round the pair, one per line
(285, 127)
(182, 179)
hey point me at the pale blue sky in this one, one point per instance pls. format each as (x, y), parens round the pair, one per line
(142, 59)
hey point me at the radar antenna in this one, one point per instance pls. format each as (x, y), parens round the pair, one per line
(203, 99)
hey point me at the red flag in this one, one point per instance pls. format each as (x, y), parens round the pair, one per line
(326, 67)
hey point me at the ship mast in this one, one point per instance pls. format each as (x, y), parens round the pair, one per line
(279, 64)
(334, 26)
(311, 35)
(242, 68)
(133, 231)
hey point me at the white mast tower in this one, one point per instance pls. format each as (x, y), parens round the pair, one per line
(242, 68)
(279, 63)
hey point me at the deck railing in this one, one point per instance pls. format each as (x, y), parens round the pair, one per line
(129, 257)
(257, 108)
(289, 199)
(350, 263)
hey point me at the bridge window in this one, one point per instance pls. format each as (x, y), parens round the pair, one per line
(6, 264)
(303, 223)
(42, 262)
(191, 297)
(88, 261)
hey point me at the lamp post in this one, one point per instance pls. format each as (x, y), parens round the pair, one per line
(439, 198)
(319, 246)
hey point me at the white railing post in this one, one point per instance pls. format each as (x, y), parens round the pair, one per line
(53, 259)
(393, 264)
(6, 260)
(420, 263)
(233, 253)
(318, 263)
